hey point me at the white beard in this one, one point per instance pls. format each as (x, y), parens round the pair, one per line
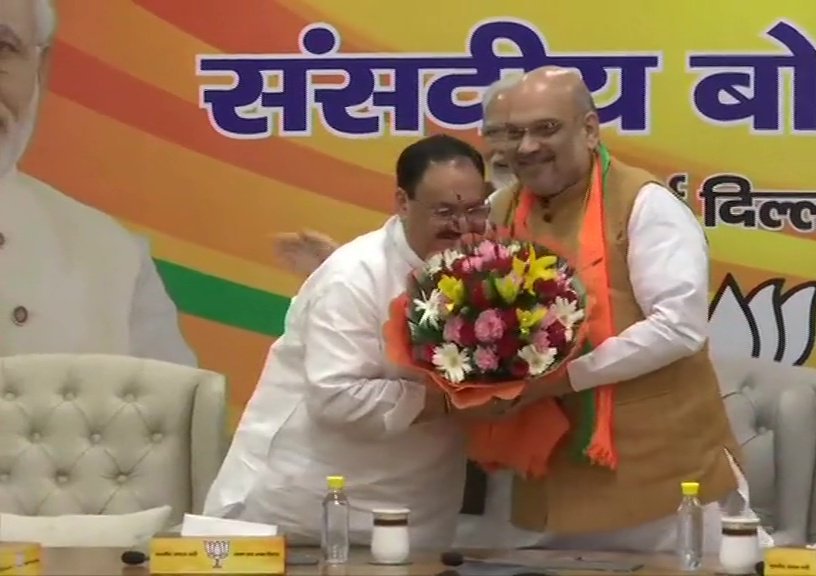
(13, 145)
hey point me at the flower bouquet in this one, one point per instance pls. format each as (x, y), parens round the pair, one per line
(485, 321)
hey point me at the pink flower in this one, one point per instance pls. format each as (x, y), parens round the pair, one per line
(472, 264)
(489, 326)
(490, 251)
(540, 340)
(486, 359)
(453, 329)
(487, 250)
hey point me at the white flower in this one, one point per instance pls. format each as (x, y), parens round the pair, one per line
(566, 311)
(513, 247)
(433, 264)
(449, 257)
(430, 308)
(538, 362)
(454, 363)
(764, 322)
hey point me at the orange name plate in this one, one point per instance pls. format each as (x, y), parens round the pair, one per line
(212, 555)
(20, 559)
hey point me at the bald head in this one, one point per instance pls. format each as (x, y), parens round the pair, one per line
(553, 82)
(551, 129)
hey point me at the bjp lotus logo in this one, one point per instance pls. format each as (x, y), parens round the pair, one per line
(766, 322)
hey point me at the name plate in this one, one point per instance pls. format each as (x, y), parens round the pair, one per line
(212, 555)
(790, 562)
(20, 559)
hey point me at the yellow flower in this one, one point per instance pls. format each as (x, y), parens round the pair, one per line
(528, 319)
(453, 289)
(507, 287)
(532, 269)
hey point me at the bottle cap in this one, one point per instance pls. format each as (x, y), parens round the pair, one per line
(690, 488)
(335, 482)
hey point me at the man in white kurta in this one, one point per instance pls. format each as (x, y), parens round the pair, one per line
(328, 402)
(73, 279)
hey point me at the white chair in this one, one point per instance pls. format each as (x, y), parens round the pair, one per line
(108, 435)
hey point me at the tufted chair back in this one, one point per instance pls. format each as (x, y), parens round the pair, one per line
(772, 409)
(98, 434)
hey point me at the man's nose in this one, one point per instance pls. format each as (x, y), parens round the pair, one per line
(527, 144)
(459, 222)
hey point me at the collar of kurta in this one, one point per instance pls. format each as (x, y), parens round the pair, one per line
(396, 232)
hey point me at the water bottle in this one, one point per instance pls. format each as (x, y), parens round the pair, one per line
(690, 528)
(335, 532)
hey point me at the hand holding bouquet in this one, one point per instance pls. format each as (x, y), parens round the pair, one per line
(486, 320)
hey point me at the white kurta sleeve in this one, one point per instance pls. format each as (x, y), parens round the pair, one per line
(154, 322)
(669, 272)
(344, 366)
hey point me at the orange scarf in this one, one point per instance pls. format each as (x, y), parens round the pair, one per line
(593, 435)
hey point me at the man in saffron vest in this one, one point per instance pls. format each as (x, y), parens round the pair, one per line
(648, 384)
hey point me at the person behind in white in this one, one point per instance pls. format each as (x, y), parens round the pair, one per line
(74, 279)
(329, 403)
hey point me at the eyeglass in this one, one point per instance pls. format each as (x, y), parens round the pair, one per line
(474, 213)
(510, 134)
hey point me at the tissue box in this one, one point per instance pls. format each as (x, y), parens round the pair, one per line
(211, 554)
(20, 559)
(790, 562)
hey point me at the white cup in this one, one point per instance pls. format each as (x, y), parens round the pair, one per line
(390, 539)
(739, 547)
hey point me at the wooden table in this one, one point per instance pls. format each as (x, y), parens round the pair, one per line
(107, 562)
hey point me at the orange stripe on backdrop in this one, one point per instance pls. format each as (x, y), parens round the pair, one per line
(120, 96)
(225, 24)
(167, 62)
(166, 187)
(236, 353)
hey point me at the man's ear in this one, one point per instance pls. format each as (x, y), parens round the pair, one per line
(401, 200)
(592, 126)
(44, 70)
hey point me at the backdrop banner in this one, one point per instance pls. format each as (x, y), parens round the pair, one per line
(210, 126)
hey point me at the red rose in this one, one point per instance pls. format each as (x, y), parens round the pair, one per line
(570, 295)
(423, 353)
(546, 290)
(557, 335)
(478, 295)
(519, 367)
(566, 291)
(508, 316)
(457, 268)
(467, 335)
(502, 266)
(508, 345)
